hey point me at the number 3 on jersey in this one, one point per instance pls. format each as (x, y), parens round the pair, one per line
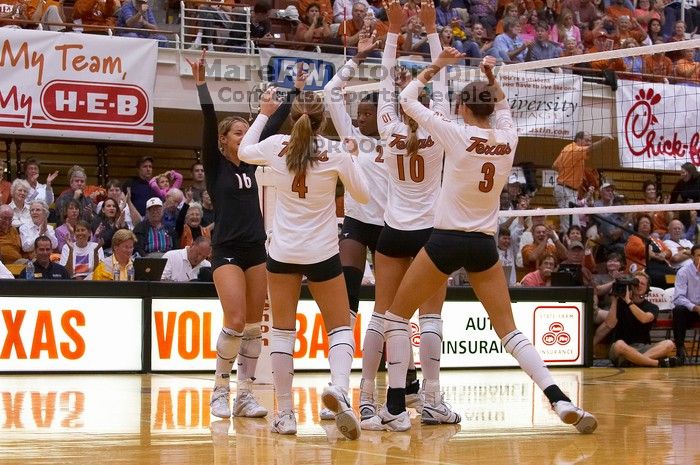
(299, 185)
(489, 171)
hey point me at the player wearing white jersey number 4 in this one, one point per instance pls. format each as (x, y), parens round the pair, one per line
(478, 159)
(305, 169)
(414, 162)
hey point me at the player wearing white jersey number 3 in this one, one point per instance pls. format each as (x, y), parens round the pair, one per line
(414, 162)
(478, 159)
(305, 169)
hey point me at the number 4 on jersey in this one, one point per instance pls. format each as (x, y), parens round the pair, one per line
(299, 185)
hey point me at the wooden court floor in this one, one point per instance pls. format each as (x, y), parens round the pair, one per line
(646, 416)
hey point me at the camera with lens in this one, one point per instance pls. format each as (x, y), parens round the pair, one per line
(623, 283)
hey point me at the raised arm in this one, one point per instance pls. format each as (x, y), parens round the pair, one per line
(210, 132)
(441, 99)
(177, 179)
(280, 115)
(252, 149)
(386, 109)
(446, 132)
(333, 91)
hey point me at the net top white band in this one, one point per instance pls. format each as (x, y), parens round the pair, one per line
(641, 208)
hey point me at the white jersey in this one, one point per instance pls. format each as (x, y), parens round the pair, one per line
(304, 228)
(477, 164)
(371, 157)
(414, 182)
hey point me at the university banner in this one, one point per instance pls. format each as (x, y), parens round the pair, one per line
(657, 125)
(543, 104)
(81, 86)
(281, 67)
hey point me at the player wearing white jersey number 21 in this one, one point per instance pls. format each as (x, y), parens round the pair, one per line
(363, 222)
(414, 162)
(305, 170)
(478, 159)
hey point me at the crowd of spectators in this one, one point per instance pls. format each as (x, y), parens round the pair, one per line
(597, 250)
(525, 30)
(86, 225)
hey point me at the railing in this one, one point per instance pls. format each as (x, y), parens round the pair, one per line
(225, 28)
(205, 22)
(172, 38)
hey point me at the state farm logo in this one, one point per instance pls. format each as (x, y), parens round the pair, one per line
(556, 335)
(89, 102)
(642, 140)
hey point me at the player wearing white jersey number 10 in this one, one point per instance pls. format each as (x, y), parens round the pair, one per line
(305, 169)
(478, 159)
(414, 162)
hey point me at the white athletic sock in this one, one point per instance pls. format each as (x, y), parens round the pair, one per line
(340, 353)
(529, 360)
(227, 346)
(411, 362)
(373, 347)
(431, 391)
(398, 349)
(251, 345)
(281, 357)
(430, 346)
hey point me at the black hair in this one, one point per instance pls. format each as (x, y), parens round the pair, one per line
(372, 97)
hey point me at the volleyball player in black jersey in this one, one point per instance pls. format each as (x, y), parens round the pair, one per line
(238, 257)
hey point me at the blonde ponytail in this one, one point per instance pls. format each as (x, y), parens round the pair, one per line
(308, 118)
(412, 142)
(302, 146)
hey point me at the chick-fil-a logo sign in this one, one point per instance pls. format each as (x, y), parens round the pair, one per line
(640, 119)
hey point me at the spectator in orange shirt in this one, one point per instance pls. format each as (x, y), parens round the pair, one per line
(686, 67)
(658, 64)
(511, 11)
(43, 11)
(349, 30)
(534, 253)
(604, 43)
(324, 6)
(571, 165)
(635, 253)
(629, 28)
(542, 276)
(316, 27)
(10, 242)
(677, 36)
(619, 9)
(96, 12)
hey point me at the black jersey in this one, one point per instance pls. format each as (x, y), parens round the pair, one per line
(233, 189)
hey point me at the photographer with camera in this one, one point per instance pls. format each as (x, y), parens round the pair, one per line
(631, 318)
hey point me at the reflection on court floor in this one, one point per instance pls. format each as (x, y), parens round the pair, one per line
(505, 419)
